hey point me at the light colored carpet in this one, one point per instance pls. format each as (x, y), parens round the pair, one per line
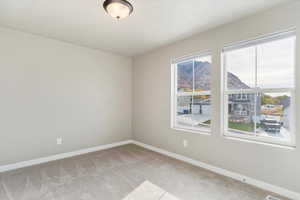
(149, 191)
(128, 172)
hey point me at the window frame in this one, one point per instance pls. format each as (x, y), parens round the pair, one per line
(175, 94)
(256, 90)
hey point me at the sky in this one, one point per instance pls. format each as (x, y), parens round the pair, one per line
(275, 66)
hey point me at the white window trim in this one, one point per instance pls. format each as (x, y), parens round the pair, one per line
(175, 94)
(224, 114)
(261, 39)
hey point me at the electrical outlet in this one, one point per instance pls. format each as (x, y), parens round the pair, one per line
(185, 143)
(59, 141)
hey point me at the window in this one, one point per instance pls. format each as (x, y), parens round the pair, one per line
(259, 89)
(191, 94)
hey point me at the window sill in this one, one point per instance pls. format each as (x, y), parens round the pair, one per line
(253, 141)
(200, 132)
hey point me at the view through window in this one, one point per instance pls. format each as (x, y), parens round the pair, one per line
(192, 94)
(260, 89)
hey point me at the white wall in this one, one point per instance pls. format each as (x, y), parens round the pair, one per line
(51, 89)
(151, 103)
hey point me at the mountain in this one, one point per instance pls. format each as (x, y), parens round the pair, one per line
(202, 77)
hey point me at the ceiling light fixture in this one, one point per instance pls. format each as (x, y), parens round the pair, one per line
(118, 8)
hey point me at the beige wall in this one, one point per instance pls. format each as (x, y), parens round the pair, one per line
(151, 103)
(52, 89)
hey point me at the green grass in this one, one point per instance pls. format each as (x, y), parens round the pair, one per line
(241, 126)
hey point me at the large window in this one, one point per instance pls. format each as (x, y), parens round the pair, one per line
(259, 89)
(191, 94)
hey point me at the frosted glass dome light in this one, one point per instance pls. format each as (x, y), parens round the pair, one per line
(118, 8)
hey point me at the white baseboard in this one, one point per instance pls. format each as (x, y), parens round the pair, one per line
(260, 184)
(37, 161)
(236, 176)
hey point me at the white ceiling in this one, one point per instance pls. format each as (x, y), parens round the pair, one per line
(154, 23)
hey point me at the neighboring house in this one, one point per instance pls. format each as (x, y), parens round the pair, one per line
(241, 107)
(187, 105)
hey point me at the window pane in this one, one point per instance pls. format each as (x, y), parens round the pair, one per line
(201, 112)
(276, 64)
(185, 76)
(241, 113)
(274, 115)
(202, 73)
(267, 69)
(184, 111)
(240, 65)
(193, 90)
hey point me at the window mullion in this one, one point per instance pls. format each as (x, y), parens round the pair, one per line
(256, 94)
(245, 91)
(275, 90)
(225, 96)
(193, 92)
(175, 98)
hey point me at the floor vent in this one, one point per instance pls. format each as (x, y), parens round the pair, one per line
(271, 198)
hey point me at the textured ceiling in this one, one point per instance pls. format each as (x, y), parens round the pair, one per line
(154, 23)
